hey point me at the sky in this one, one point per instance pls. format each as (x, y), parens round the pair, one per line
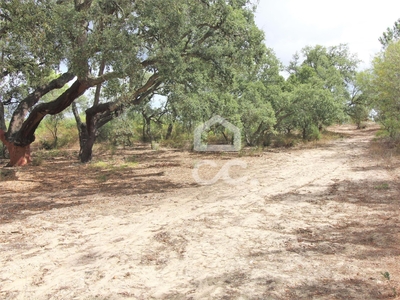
(290, 25)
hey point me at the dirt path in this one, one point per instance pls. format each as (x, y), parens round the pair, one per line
(318, 223)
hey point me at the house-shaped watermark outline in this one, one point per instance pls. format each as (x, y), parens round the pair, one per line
(199, 146)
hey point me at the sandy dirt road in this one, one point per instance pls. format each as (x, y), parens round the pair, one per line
(318, 223)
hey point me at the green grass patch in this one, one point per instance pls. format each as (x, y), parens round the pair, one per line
(100, 165)
(382, 186)
(113, 165)
(102, 178)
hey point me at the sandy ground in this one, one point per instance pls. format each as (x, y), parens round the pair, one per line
(316, 223)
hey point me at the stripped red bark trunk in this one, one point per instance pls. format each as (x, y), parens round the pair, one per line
(19, 155)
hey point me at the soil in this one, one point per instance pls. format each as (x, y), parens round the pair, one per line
(313, 222)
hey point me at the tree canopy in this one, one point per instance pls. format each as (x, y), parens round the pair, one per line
(125, 49)
(204, 57)
(385, 88)
(390, 35)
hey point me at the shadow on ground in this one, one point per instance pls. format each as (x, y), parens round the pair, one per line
(62, 182)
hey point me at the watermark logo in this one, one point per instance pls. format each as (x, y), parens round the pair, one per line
(200, 146)
(224, 171)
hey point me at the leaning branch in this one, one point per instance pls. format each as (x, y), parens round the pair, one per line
(26, 104)
(25, 135)
(100, 79)
(3, 31)
(111, 109)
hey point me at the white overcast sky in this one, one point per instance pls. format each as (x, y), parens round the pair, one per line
(290, 25)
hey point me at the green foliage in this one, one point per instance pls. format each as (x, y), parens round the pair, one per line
(129, 49)
(112, 166)
(46, 154)
(155, 146)
(360, 104)
(386, 87)
(256, 113)
(57, 132)
(100, 164)
(122, 131)
(102, 177)
(207, 58)
(316, 92)
(2, 150)
(285, 141)
(37, 161)
(259, 101)
(383, 186)
(390, 35)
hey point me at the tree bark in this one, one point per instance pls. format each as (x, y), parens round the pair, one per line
(3, 128)
(304, 133)
(86, 144)
(148, 130)
(2, 119)
(26, 133)
(100, 114)
(19, 155)
(82, 133)
(23, 108)
(18, 143)
(169, 131)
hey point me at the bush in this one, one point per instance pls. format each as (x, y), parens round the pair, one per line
(121, 131)
(3, 151)
(65, 135)
(285, 141)
(37, 161)
(314, 134)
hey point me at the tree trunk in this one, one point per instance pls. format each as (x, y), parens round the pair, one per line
(148, 129)
(101, 113)
(2, 120)
(169, 131)
(3, 128)
(144, 131)
(86, 147)
(304, 133)
(86, 138)
(19, 155)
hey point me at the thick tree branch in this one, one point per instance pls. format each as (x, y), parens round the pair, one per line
(3, 31)
(82, 5)
(6, 17)
(125, 98)
(98, 87)
(4, 74)
(25, 135)
(107, 116)
(149, 62)
(76, 115)
(26, 104)
(107, 111)
(100, 79)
